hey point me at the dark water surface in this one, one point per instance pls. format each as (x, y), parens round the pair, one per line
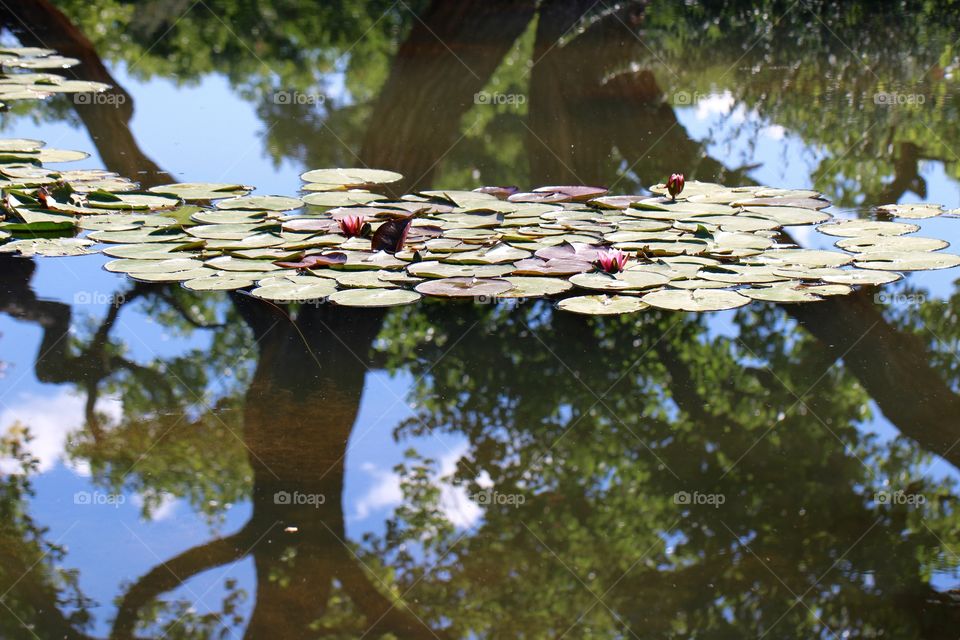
(180, 465)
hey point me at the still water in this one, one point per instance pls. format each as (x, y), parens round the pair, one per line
(183, 465)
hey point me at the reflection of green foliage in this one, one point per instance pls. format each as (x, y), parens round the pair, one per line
(599, 470)
(34, 587)
(179, 619)
(780, 57)
(775, 58)
(292, 43)
(181, 427)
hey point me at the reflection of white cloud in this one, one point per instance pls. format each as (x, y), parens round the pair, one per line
(50, 420)
(384, 493)
(455, 503)
(774, 132)
(164, 510)
(715, 104)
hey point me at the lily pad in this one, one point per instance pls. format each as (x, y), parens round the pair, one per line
(341, 198)
(464, 288)
(350, 177)
(171, 265)
(906, 260)
(601, 305)
(534, 287)
(261, 203)
(854, 228)
(695, 299)
(782, 294)
(221, 281)
(202, 190)
(863, 244)
(287, 291)
(626, 280)
(861, 277)
(911, 211)
(48, 247)
(374, 297)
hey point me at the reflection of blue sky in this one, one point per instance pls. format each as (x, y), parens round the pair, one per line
(206, 133)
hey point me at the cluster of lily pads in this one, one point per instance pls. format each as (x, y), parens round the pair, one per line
(708, 248)
(27, 77)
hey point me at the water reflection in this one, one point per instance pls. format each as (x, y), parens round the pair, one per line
(778, 472)
(650, 475)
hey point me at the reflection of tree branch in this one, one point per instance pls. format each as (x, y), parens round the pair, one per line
(171, 299)
(893, 367)
(172, 573)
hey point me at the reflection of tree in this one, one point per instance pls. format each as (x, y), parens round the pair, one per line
(447, 58)
(27, 560)
(598, 82)
(37, 23)
(296, 439)
(599, 440)
(598, 461)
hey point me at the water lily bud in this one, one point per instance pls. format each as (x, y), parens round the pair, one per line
(675, 185)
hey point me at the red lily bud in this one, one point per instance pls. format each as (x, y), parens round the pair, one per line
(675, 185)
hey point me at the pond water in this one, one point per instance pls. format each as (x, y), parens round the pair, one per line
(187, 465)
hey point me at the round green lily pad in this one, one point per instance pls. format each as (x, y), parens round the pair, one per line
(202, 190)
(601, 305)
(350, 177)
(695, 299)
(463, 288)
(912, 211)
(782, 294)
(534, 287)
(220, 282)
(906, 260)
(863, 244)
(854, 228)
(287, 291)
(374, 297)
(261, 203)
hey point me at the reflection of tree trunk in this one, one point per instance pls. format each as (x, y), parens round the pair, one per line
(299, 416)
(40, 24)
(450, 54)
(587, 114)
(906, 177)
(893, 366)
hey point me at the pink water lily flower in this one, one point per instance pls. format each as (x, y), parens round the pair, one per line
(675, 185)
(352, 226)
(611, 261)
